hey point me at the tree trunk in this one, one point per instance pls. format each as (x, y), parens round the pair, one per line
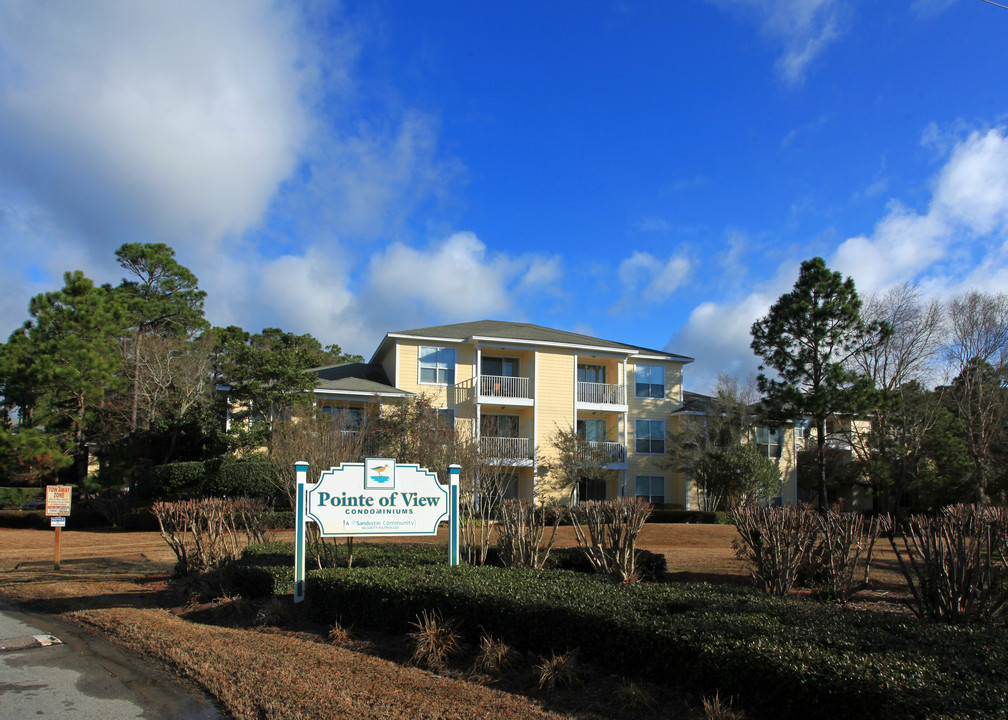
(136, 379)
(821, 463)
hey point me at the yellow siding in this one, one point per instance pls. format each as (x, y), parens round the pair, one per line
(554, 404)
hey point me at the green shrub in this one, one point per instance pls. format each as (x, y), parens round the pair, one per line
(282, 520)
(779, 657)
(12, 498)
(24, 519)
(241, 478)
(172, 481)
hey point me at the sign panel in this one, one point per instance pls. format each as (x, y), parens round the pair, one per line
(57, 522)
(57, 499)
(377, 497)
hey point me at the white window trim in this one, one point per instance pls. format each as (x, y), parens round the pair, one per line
(454, 369)
(664, 370)
(664, 431)
(652, 477)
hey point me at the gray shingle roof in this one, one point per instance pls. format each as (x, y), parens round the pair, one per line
(357, 378)
(525, 332)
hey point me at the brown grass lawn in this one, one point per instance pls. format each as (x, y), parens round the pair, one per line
(113, 583)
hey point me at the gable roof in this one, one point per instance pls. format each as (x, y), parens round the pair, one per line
(523, 333)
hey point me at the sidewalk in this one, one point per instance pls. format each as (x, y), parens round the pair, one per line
(49, 670)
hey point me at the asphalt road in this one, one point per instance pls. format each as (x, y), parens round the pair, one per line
(50, 670)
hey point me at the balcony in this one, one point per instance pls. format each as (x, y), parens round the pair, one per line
(601, 396)
(504, 390)
(507, 450)
(614, 451)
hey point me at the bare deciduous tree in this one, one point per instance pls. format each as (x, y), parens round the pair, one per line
(977, 354)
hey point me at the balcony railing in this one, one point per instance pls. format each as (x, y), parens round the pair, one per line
(616, 452)
(500, 386)
(601, 393)
(506, 448)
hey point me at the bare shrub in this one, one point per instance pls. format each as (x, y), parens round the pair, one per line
(559, 671)
(635, 696)
(774, 542)
(843, 538)
(521, 530)
(717, 709)
(339, 634)
(434, 640)
(207, 533)
(112, 505)
(272, 612)
(607, 531)
(955, 563)
(494, 655)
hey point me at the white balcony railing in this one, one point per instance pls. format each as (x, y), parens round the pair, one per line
(601, 393)
(506, 448)
(500, 386)
(616, 452)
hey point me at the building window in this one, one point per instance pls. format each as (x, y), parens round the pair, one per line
(649, 381)
(650, 488)
(649, 436)
(591, 489)
(347, 418)
(769, 441)
(447, 416)
(501, 426)
(591, 373)
(502, 366)
(592, 430)
(437, 365)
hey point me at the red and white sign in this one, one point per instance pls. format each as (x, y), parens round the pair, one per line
(57, 500)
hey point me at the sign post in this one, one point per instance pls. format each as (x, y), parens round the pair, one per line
(454, 473)
(378, 497)
(301, 470)
(57, 507)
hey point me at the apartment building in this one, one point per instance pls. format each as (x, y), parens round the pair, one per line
(514, 385)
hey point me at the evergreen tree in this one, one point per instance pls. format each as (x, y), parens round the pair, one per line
(163, 299)
(807, 339)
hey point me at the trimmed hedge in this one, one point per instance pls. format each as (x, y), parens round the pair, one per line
(240, 478)
(778, 657)
(173, 481)
(684, 516)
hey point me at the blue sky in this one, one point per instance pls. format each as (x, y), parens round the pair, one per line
(647, 172)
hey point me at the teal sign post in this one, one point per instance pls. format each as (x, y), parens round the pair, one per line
(378, 497)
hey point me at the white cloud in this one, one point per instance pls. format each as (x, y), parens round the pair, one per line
(167, 120)
(969, 203)
(645, 279)
(451, 281)
(960, 242)
(803, 29)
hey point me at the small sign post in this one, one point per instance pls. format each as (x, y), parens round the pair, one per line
(57, 506)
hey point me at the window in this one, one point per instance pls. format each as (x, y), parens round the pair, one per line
(649, 381)
(591, 373)
(591, 489)
(447, 416)
(769, 441)
(650, 488)
(348, 418)
(503, 366)
(437, 366)
(650, 436)
(592, 430)
(501, 426)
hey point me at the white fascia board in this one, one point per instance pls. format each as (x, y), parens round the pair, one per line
(667, 358)
(363, 396)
